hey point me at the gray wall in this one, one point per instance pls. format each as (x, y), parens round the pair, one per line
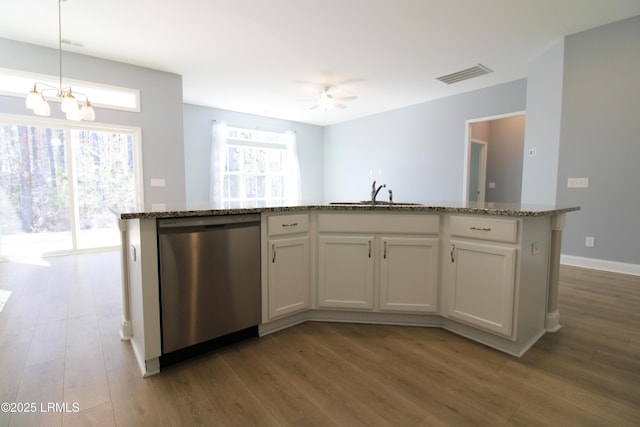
(504, 159)
(197, 149)
(160, 117)
(544, 104)
(600, 139)
(417, 151)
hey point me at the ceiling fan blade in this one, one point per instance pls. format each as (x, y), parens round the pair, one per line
(338, 105)
(314, 107)
(346, 98)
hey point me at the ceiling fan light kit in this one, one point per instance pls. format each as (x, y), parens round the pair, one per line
(37, 101)
(328, 102)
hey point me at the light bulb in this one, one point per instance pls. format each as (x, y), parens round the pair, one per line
(74, 115)
(87, 112)
(327, 103)
(34, 98)
(42, 107)
(69, 103)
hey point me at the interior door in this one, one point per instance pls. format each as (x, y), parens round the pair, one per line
(477, 170)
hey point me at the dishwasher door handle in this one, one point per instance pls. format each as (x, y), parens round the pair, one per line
(210, 226)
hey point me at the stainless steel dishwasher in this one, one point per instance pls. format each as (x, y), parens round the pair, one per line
(209, 279)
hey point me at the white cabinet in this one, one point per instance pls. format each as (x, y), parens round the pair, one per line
(409, 274)
(375, 270)
(288, 265)
(481, 284)
(345, 272)
(288, 275)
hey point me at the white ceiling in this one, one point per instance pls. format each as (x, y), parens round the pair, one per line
(271, 57)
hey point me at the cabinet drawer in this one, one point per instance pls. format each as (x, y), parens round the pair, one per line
(497, 230)
(378, 223)
(279, 225)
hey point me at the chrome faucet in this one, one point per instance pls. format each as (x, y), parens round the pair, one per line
(375, 191)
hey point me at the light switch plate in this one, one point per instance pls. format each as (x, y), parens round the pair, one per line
(578, 183)
(157, 182)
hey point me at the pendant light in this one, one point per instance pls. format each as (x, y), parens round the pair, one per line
(37, 101)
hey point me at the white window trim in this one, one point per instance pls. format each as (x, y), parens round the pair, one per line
(23, 82)
(221, 140)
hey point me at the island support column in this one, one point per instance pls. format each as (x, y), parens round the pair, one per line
(552, 320)
(126, 331)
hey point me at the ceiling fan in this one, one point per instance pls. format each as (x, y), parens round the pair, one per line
(328, 101)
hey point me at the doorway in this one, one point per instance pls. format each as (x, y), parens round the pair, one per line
(493, 158)
(477, 170)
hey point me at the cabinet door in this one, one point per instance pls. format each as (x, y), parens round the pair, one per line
(409, 274)
(481, 291)
(345, 271)
(288, 275)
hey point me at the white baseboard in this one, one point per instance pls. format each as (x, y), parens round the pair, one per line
(601, 264)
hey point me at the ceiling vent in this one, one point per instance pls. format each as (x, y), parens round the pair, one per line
(469, 73)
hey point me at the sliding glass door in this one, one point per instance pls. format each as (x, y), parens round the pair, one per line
(58, 183)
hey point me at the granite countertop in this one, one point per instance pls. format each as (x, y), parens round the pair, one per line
(500, 209)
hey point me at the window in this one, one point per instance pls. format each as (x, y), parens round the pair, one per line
(20, 83)
(254, 167)
(58, 183)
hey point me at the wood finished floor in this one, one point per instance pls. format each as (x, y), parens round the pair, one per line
(59, 343)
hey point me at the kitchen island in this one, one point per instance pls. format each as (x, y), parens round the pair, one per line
(488, 272)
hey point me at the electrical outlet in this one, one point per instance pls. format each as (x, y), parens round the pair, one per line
(578, 183)
(590, 241)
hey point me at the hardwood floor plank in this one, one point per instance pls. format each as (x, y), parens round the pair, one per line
(234, 403)
(41, 384)
(601, 406)
(597, 377)
(12, 362)
(317, 374)
(182, 395)
(356, 380)
(116, 352)
(417, 378)
(85, 381)
(134, 399)
(287, 405)
(546, 412)
(99, 416)
(48, 342)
